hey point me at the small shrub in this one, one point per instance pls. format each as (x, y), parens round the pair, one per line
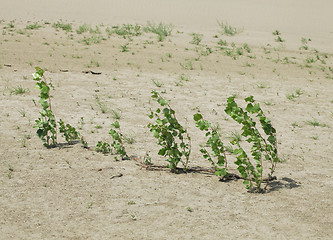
(47, 124)
(261, 148)
(172, 136)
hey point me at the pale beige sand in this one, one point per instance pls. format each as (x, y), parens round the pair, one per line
(71, 193)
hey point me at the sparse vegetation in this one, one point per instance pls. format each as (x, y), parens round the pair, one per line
(162, 30)
(226, 29)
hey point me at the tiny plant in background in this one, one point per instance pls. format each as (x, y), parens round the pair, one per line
(172, 136)
(215, 143)
(197, 38)
(261, 148)
(19, 90)
(304, 43)
(162, 30)
(278, 38)
(227, 29)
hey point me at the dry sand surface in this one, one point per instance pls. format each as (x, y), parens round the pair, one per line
(69, 192)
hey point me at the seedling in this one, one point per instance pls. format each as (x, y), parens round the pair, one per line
(189, 209)
(117, 143)
(103, 147)
(46, 124)
(157, 83)
(116, 146)
(172, 136)
(315, 123)
(19, 90)
(124, 48)
(215, 143)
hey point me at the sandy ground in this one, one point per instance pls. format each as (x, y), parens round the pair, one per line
(74, 193)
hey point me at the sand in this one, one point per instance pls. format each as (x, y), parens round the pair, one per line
(69, 192)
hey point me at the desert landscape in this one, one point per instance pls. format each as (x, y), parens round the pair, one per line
(104, 59)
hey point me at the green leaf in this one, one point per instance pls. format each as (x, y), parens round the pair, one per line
(272, 139)
(249, 99)
(116, 124)
(197, 117)
(162, 101)
(155, 134)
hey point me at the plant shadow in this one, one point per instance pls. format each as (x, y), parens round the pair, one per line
(68, 145)
(283, 183)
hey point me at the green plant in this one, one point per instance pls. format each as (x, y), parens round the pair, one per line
(261, 148)
(103, 147)
(116, 146)
(189, 209)
(157, 83)
(173, 138)
(46, 124)
(19, 90)
(162, 30)
(278, 38)
(197, 38)
(124, 48)
(101, 105)
(215, 143)
(292, 96)
(66, 27)
(147, 159)
(93, 39)
(127, 30)
(117, 143)
(222, 43)
(227, 29)
(188, 65)
(304, 43)
(116, 114)
(83, 28)
(33, 26)
(315, 123)
(22, 112)
(68, 132)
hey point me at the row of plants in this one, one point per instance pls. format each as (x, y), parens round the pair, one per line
(175, 141)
